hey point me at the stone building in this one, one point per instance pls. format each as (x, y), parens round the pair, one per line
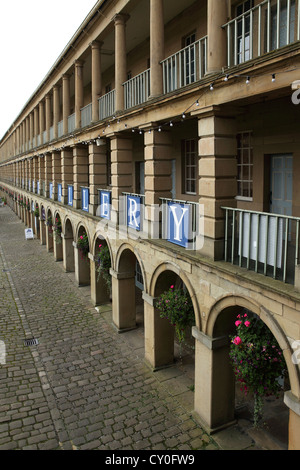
(167, 131)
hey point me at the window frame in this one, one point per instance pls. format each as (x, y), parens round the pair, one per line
(249, 164)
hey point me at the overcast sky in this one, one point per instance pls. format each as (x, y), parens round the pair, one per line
(33, 33)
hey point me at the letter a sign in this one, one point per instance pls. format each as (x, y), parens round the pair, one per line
(178, 224)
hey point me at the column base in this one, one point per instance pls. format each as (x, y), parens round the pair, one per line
(206, 426)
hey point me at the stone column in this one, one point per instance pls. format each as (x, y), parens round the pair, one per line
(36, 126)
(80, 173)
(56, 172)
(35, 174)
(214, 382)
(217, 15)
(82, 268)
(31, 129)
(123, 300)
(120, 60)
(27, 133)
(48, 172)
(41, 173)
(217, 171)
(158, 171)
(42, 120)
(97, 173)
(159, 336)
(157, 46)
(55, 110)
(78, 92)
(48, 117)
(293, 404)
(96, 78)
(66, 101)
(121, 170)
(66, 172)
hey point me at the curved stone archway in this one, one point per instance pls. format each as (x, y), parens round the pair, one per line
(67, 245)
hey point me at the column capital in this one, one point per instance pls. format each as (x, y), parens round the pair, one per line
(121, 18)
(96, 44)
(208, 341)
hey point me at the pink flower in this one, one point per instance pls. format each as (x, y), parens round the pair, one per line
(237, 323)
(237, 340)
(247, 323)
(100, 246)
(81, 237)
(245, 315)
(172, 287)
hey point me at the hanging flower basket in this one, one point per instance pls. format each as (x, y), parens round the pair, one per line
(57, 229)
(176, 306)
(83, 245)
(36, 212)
(103, 265)
(257, 361)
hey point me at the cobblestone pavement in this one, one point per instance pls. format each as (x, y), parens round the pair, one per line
(83, 386)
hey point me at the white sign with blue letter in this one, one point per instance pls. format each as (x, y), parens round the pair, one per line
(70, 195)
(50, 190)
(38, 187)
(134, 212)
(178, 223)
(59, 192)
(105, 204)
(85, 199)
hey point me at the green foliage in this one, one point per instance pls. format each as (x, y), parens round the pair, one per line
(176, 306)
(257, 359)
(103, 263)
(83, 245)
(57, 229)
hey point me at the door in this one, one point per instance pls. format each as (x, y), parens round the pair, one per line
(281, 184)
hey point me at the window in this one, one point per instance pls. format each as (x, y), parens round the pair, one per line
(188, 60)
(245, 165)
(243, 32)
(282, 24)
(108, 168)
(190, 166)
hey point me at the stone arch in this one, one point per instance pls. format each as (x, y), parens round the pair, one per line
(100, 281)
(170, 266)
(57, 240)
(233, 301)
(128, 305)
(82, 261)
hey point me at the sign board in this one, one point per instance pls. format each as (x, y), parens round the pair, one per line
(105, 204)
(178, 224)
(29, 234)
(85, 199)
(134, 212)
(70, 195)
(59, 192)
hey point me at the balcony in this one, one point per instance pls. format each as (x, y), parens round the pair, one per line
(137, 89)
(266, 27)
(185, 66)
(263, 242)
(86, 115)
(107, 105)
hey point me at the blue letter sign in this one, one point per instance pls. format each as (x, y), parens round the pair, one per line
(70, 195)
(85, 199)
(178, 223)
(59, 192)
(134, 212)
(50, 190)
(105, 202)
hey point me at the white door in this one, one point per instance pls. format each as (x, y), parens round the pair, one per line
(281, 184)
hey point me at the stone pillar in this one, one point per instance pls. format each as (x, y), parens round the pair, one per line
(55, 110)
(78, 92)
(120, 60)
(36, 126)
(66, 172)
(217, 171)
(48, 117)
(42, 120)
(97, 173)
(48, 172)
(66, 101)
(96, 79)
(43, 231)
(158, 171)
(80, 173)
(159, 336)
(123, 300)
(293, 404)
(35, 173)
(41, 173)
(99, 291)
(157, 46)
(27, 133)
(56, 172)
(31, 129)
(121, 170)
(214, 382)
(217, 15)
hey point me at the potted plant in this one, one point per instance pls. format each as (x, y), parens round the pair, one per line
(36, 212)
(257, 361)
(83, 245)
(176, 306)
(103, 263)
(57, 229)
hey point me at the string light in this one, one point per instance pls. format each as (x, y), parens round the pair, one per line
(248, 80)
(273, 77)
(211, 87)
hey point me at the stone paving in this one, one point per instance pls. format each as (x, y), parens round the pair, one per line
(82, 386)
